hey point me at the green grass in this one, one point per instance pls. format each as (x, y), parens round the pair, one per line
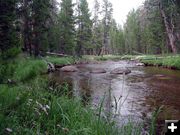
(167, 61)
(103, 58)
(31, 109)
(28, 69)
(36, 105)
(172, 62)
(61, 60)
(24, 69)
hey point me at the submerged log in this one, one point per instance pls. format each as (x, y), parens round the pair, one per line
(57, 66)
(140, 64)
(121, 71)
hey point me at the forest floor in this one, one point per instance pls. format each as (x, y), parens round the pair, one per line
(30, 103)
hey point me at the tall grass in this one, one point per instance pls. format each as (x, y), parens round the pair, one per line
(60, 60)
(39, 106)
(30, 109)
(28, 69)
(166, 61)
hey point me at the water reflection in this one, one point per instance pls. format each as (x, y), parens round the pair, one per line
(136, 95)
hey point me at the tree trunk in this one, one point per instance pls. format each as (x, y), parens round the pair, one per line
(26, 28)
(169, 30)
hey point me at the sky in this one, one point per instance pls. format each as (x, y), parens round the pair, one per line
(120, 8)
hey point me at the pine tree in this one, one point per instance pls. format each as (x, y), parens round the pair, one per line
(40, 16)
(107, 19)
(9, 40)
(26, 11)
(96, 30)
(168, 12)
(84, 31)
(54, 29)
(67, 27)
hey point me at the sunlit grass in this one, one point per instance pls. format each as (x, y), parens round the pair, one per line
(60, 60)
(166, 61)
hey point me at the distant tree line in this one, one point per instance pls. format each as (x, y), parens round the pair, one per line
(153, 28)
(38, 26)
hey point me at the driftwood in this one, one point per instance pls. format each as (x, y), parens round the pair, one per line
(50, 67)
(56, 54)
(60, 65)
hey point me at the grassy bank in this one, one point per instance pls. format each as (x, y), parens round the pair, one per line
(34, 109)
(166, 61)
(170, 62)
(31, 105)
(34, 105)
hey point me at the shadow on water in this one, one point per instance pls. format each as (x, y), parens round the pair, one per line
(135, 95)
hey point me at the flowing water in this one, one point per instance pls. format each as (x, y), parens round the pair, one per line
(135, 95)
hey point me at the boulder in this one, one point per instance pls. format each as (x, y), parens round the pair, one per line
(121, 71)
(69, 69)
(98, 71)
(140, 64)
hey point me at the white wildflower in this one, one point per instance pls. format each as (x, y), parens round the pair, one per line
(9, 130)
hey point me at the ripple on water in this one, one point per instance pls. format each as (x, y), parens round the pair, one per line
(135, 95)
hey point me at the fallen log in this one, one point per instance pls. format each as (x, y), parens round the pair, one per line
(61, 65)
(56, 54)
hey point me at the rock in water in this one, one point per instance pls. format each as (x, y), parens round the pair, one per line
(140, 64)
(98, 71)
(121, 71)
(69, 69)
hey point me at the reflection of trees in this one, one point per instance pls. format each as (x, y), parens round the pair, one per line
(82, 89)
(108, 101)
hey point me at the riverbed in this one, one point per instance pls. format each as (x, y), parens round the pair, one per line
(136, 95)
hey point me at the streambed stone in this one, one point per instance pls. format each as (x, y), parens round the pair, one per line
(98, 71)
(140, 64)
(69, 69)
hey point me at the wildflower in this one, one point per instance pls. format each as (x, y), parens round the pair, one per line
(44, 109)
(47, 106)
(17, 98)
(58, 125)
(9, 130)
(65, 130)
(30, 100)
